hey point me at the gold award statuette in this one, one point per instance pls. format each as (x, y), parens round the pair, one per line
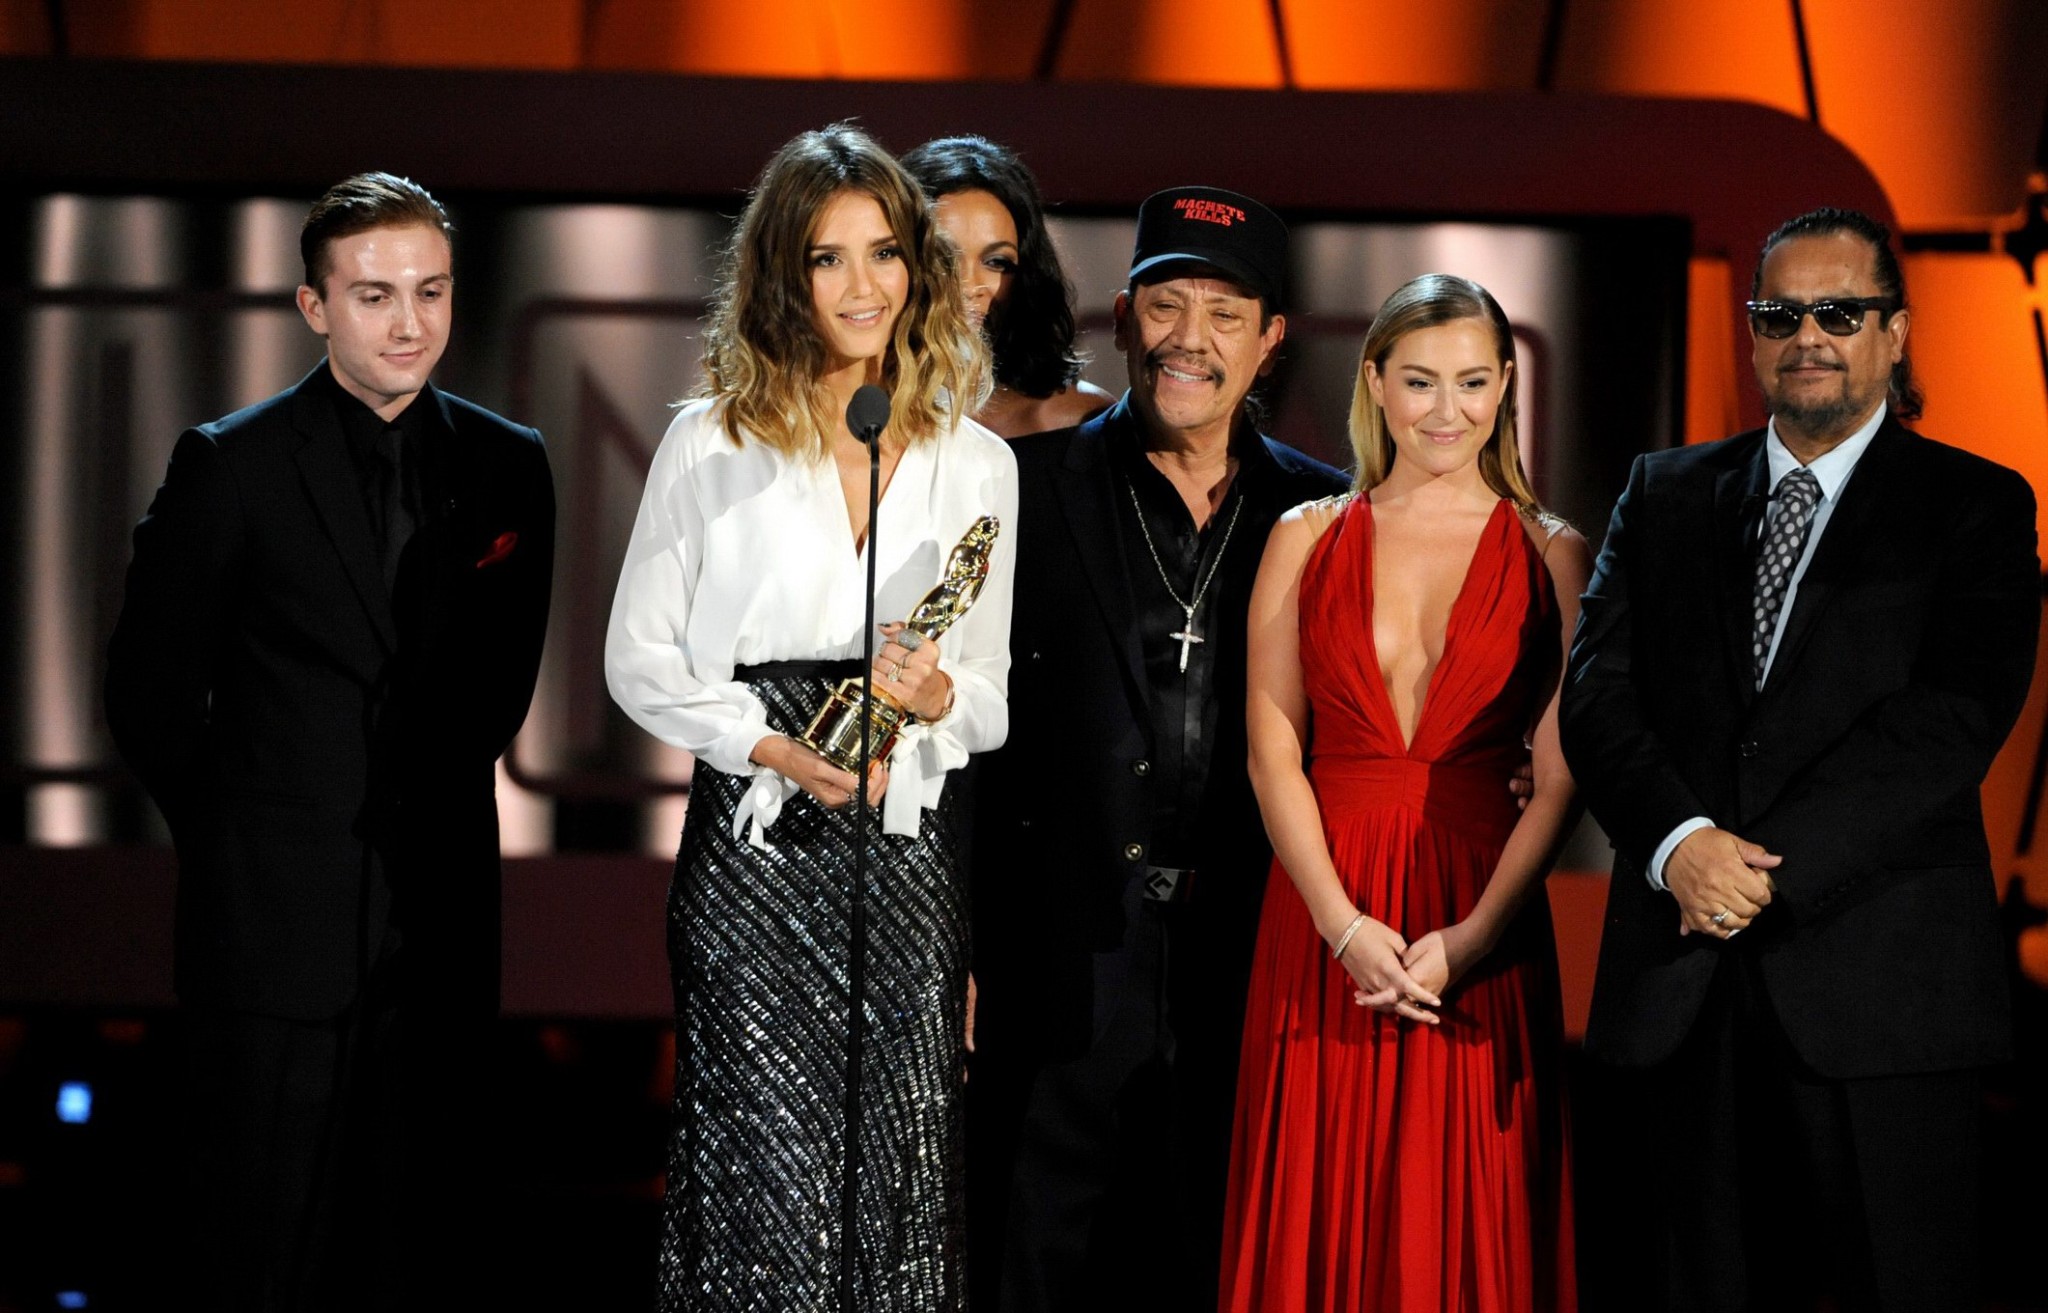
(834, 732)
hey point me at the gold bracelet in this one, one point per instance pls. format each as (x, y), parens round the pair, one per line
(1344, 940)
(952, 691)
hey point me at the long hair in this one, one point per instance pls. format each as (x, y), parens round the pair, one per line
(1032, 332)
(1426, 302)
(1905, 397)
(763, 356)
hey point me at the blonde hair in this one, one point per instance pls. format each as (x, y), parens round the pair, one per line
(763, 356)
(1426, 302)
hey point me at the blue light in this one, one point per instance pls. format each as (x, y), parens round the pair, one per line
(74, 1107)
(71, 1299)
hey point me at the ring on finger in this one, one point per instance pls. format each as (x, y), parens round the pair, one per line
(895, 671)
(909, 640)
(1720, 918)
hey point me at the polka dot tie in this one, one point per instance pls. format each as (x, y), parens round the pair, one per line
(1794, 502)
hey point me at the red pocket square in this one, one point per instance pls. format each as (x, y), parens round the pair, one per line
(501, 548)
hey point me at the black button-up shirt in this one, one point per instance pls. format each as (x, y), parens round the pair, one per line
(1188, 707)
(364, 430)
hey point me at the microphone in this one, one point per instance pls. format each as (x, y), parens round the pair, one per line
(868, 413)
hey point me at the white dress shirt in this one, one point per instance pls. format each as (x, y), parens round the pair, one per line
(1832, 472)
(742, 555)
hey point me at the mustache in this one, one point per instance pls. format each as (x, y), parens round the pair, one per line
(1186, 362)
(1809, 360)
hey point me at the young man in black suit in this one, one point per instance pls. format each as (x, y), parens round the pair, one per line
(1800, 650)
(332, 626)
(1119, 858)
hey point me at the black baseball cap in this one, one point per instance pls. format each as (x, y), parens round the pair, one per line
(1207, 225)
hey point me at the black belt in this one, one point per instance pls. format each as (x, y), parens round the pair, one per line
(1169, 884)
(841, 669)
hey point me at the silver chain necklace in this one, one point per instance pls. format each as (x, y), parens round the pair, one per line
(1186, 635)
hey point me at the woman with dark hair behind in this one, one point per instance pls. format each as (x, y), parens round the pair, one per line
(987, 202)
(740, 604)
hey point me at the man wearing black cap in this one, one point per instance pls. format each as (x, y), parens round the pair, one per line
(1119, 856)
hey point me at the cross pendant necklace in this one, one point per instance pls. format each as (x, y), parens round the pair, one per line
(1185, 635)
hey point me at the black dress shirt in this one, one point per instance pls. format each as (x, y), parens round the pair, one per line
(1115, 760)
(1224, 554)
(370, 437)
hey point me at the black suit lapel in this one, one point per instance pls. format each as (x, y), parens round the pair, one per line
(448, 495)
(1841, 543)
(1087, 487)
(448, 511)
(449, 489)
(337, 497)
(1740, 495)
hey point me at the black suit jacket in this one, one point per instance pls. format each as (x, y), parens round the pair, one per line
(1903, 664)
(322, 747)
(1064, 809)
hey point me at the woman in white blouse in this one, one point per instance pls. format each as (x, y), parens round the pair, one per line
(739, 606)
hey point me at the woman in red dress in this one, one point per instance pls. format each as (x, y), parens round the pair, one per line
(1401, 1141)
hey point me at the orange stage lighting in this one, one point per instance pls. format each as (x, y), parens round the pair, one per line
(1415, 45)
(1214, 43)
(1737, 49)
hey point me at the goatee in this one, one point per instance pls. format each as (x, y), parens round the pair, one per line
(1818, 417)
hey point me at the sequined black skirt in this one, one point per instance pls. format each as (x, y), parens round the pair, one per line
(758, 950)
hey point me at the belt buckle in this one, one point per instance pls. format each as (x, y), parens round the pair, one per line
(1168, 884)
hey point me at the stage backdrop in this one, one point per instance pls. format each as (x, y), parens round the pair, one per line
(132, 317)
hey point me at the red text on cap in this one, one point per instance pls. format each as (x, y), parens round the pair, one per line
(1203, 210)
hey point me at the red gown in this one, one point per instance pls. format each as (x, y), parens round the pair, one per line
(1382, 1165)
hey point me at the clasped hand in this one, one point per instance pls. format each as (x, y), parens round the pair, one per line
(1713, 873)
(1399, 978)
(802, 766)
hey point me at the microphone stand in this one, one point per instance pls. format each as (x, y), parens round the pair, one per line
(857, 923)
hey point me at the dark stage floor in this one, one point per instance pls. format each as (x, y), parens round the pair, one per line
(581, 1110)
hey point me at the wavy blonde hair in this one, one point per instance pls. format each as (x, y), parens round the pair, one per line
(1426, 302)
(763, 356)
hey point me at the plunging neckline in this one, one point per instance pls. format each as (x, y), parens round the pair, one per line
(1379, 671)
(860, 541)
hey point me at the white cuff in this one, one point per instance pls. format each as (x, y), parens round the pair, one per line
(1655, 871)
(760, 805)
(917, 775)
(733, 750)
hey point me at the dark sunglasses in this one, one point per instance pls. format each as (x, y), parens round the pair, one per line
(1840, 316)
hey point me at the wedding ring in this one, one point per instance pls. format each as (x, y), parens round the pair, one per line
(895, 671)
(1720, 917)
(909, 640)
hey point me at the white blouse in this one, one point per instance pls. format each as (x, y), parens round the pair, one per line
(742, 555)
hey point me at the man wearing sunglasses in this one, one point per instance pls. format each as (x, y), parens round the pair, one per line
(1800, 650)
